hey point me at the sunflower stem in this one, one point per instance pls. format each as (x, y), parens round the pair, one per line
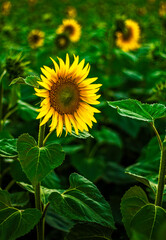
(162, 168)
(38, 202)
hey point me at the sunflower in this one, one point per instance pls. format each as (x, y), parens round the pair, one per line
(36, 38)
(67, 96)
(6, 7)
(162, 9)
(128, 38)
(72, 28)
(62, 41)
(71, 12)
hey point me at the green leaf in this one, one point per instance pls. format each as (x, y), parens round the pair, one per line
(108, 136)
(90, 167)
(82, 231)
(141, 111)
(19, 199)
(8, 148)
(26, 111)
(83, 202)
(30, 80)
(146, 169)
(57, 221)
(134, 199)
(38, 162)
(148, 220)
(15, 223)
(133, 75)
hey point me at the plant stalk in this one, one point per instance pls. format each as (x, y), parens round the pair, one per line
(162, 169)
(38, 203)
(161, 179)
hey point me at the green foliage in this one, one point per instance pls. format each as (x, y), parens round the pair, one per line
(82, 202)
(8, 148)
(13, 222)
(89, 231)
(38, 162)
(30, 80)
(134, 109)
(146, 168)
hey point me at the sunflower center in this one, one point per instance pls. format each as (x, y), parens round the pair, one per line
(64, 97)
(35, 38)
(69, 29)
(127, 33)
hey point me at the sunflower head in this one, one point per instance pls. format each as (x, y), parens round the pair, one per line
(62, 41)
(67, 96)
(71, 12)
(6, 7)
(128, 38)
(71, 28)
(36, 38)
(162, 9)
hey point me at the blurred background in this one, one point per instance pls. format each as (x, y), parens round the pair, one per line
(32, 31)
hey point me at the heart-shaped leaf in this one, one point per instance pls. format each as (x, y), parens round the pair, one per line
(83, 202)
(141, 111)
(37, 161)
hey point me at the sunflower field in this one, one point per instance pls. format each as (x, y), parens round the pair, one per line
(83, 120)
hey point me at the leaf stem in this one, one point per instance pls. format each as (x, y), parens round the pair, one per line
(162, 168)
(161, 179)
(38, 203)
(1, 97)
(157, 134)
(45, 140)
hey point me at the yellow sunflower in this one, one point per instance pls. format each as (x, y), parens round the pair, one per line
(71, 12)
(67, 96)
(129, 38)
(6, 7)
(36, 38)
(162, 9)
(72, 28)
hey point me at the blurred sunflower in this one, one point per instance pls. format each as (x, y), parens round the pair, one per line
(62, 41)
(6, 7)
(71, 12)
(128, 38)
(70, 27)
(36, 38)
(162, 9)
(67, 96)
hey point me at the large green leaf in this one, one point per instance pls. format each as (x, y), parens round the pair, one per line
(8, 148)
(89, 231)
(38, 162)
(83, 202)
(141, 111)
(147, 221)
(134, 199)
(15, 223)
(30, 80)
(146, 168)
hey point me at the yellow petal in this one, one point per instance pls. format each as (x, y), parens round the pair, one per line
(45, 85)
(67, 124)
(47, 117)
(73, 121)
(59, 126)
(54, 121)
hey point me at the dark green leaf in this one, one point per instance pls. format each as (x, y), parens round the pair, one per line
(8, 148)
(134, 199)
(89, 231)
(148, 220)
(146, 169)
(19, 199)
(83, 202)
(57, 221)
(30, 80)
(26, 111)
(141, 111)
(38, 162)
